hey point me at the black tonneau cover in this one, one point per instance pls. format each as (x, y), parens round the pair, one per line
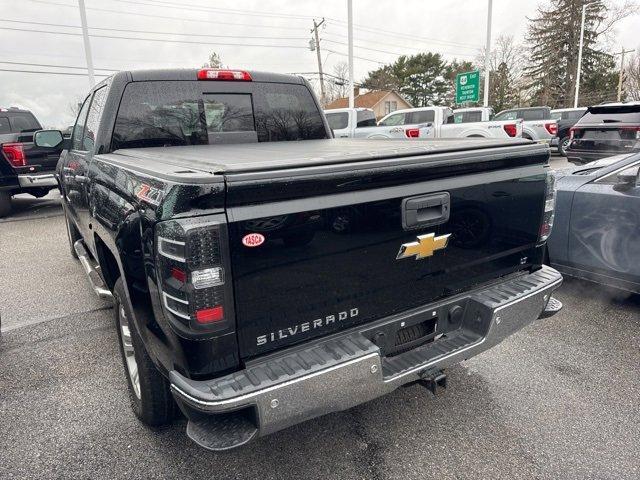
(253, 157)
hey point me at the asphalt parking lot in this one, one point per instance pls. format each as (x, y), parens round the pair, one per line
(557, 400)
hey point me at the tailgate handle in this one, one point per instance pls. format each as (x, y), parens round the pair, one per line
(425, 210)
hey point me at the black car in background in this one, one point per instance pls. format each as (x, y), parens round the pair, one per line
(567, 118)
(24, 168)
(604, 131)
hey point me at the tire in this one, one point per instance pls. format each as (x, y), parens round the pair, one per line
(5, 203)
(151, 400)
(72, 234)
(562, 148)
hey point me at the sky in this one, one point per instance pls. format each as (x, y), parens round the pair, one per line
(271, 35)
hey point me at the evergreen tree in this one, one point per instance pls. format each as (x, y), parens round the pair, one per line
(419, 78)
(502, 93)
(554, 37)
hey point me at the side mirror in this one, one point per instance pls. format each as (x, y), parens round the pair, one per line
(48, 138)
(628, 179)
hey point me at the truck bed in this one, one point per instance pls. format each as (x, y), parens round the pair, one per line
(245, 158)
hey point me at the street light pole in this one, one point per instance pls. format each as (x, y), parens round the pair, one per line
(350, 35)
(575, 100)
(487, 55)
(87, 45)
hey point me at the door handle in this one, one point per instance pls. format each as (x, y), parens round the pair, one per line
(426, 210)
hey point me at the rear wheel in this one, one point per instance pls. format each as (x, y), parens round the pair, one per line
(5, 203)
(149, 393)
(562, 146)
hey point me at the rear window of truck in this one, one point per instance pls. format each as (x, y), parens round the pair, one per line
(154, 114)
(338, 120)
(16, 122)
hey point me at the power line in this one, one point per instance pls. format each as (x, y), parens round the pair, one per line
(342, 24)
(167, 17)
(161, 40)
(154, 32)
(49, 73)
(384, 51)
(359, 58)
(224, 11)
(54, 66)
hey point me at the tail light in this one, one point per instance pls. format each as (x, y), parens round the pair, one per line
(412, 132)
(511, 129)
(549, 207)
(15, 154)
(215, 74)
(631, 130)
(192, 268)
(552, 128)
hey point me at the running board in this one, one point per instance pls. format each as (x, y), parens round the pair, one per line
(91, 269)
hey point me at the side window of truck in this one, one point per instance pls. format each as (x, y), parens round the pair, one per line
(4, 125)
(93, 119)
(338, 121)
(78, 129)
(421, 117)
(366, 118)
(512, 115)
(393, 120)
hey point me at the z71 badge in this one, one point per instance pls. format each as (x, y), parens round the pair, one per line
(149, 194)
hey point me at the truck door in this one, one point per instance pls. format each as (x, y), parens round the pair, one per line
(73, 172)
(78, 159)
(604, 237)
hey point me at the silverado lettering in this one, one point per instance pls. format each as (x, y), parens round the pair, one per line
(306, 326)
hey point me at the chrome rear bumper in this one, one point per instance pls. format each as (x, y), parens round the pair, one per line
(348, 369)
(38, 180)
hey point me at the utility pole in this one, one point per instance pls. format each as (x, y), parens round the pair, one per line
(87, 45)
(350, 35)
(487, 55)
(315, 31)
(577, 95)
(621, 74)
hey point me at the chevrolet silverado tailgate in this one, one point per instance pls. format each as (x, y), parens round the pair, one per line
(316, 250)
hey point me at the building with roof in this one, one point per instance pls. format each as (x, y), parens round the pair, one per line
(381, 102)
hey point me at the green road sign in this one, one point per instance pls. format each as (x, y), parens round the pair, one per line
(468, 87)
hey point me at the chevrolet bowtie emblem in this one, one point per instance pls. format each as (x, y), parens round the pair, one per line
(424, 247)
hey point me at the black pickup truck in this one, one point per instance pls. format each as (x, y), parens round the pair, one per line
(204, 201)
(24, 167)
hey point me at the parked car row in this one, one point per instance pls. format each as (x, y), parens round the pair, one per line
(581, 134)
(423, 122)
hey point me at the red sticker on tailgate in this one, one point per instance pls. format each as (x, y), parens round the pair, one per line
(253, 240)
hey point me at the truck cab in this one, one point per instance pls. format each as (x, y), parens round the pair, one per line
(350, 122)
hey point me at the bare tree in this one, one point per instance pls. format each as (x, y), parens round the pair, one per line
(632, 77)
(338, 85)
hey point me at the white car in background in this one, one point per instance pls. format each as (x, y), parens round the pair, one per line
(423, 122)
